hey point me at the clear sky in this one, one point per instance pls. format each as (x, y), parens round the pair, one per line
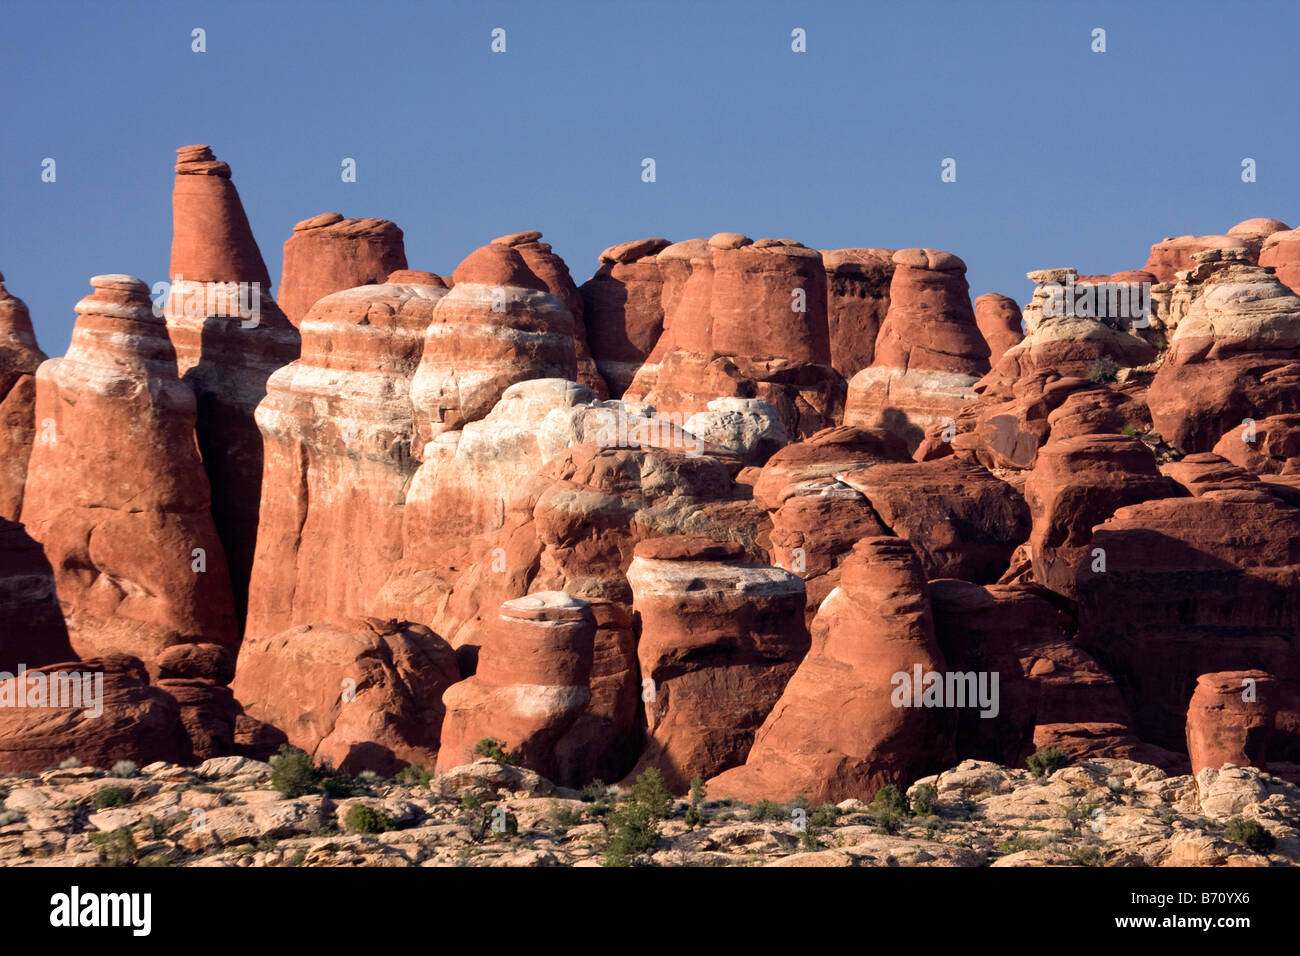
(1064, 156)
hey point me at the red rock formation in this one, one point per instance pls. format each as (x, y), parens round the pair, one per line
(117, 717)
(623, 310)
(998, 319)
(328, 253)
(1044, 678)
(360, 694)
(1281, 252)
(554, 273)
(1191, 586)
(1234, 355)
(829, 452)
(337, 426)
(815, 529)
(962, 521)
(208, 713)
(532, 684)
(34, 633)
(1262, 447)
(929, 353)
(1230, 719)
(875, 625)
(19, 359)
(1170, 256)
(719, 639)
(227, 345)
(1078, 483)
(497, 326)
(857, 301)
(749, 322)
(118, 496)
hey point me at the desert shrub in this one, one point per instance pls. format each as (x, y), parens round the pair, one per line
(1250, 833)
(1103, 369)
(888, 799)
(106, 797)
(116, 847)
(564, 817)
(925, 800)
(765, 810)
(651, 792)
(414, 775)
(1017, 843)
(71, 763)
(1045, 762)
(629, 829)
(125, 768)
(364, 819)
(595, 792)
(292, 773)
(825, 815)
(1085, 855)
(11, 816)
(154, 859)
(471, 801)
(695, 812)
(493, 749)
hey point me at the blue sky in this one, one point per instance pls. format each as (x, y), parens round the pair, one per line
(1064, 156)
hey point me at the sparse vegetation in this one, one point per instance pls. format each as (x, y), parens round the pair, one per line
(1103, 369)
(767, 810)
(1249, 833)
(292, 773)
(493, 749)
(925, 800)
(116, 847)
(366, 819)
(564, 817)
(125, 769)
(70, 763)
(1045, 762)
(414, 775)
(106, 797)
(825, 815)
(695, 812)
(650, 791)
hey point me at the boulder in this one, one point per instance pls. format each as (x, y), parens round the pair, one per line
(358, 694)
(328, 253)
(998, 319)
(1230, 719)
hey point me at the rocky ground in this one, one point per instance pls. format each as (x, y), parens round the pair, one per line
(225, 812)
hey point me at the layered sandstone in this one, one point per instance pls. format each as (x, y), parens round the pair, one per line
(328, 253)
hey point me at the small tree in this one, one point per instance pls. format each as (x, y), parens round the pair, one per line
(652, 793)
(695, 812)
(292, 773)
(1048, 760)
(364, 819)
(1250, 833)
(493, 749)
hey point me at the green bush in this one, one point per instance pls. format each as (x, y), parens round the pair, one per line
(564, 817)
(364, 819)
(889, 800)
(925, 800)
(493, 749)
(596, 792)
(695, 812)
(106, 797)
(414, 775)
(116, 847)
(1103, 369)
(629, 829)
(1250, 833)
(767, 810)
(471, 801)
(651, 792)
(292, 773)
(808, 840)
(1045, 762)
(825, 815)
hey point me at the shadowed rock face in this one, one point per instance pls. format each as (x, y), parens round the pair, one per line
(623, 310)
(224, 357)
(19, 359)
(360, 694)
(34, 633)
(876, 624)
(328, 253)
(337, 426)
(118, 497)
(718, 637)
